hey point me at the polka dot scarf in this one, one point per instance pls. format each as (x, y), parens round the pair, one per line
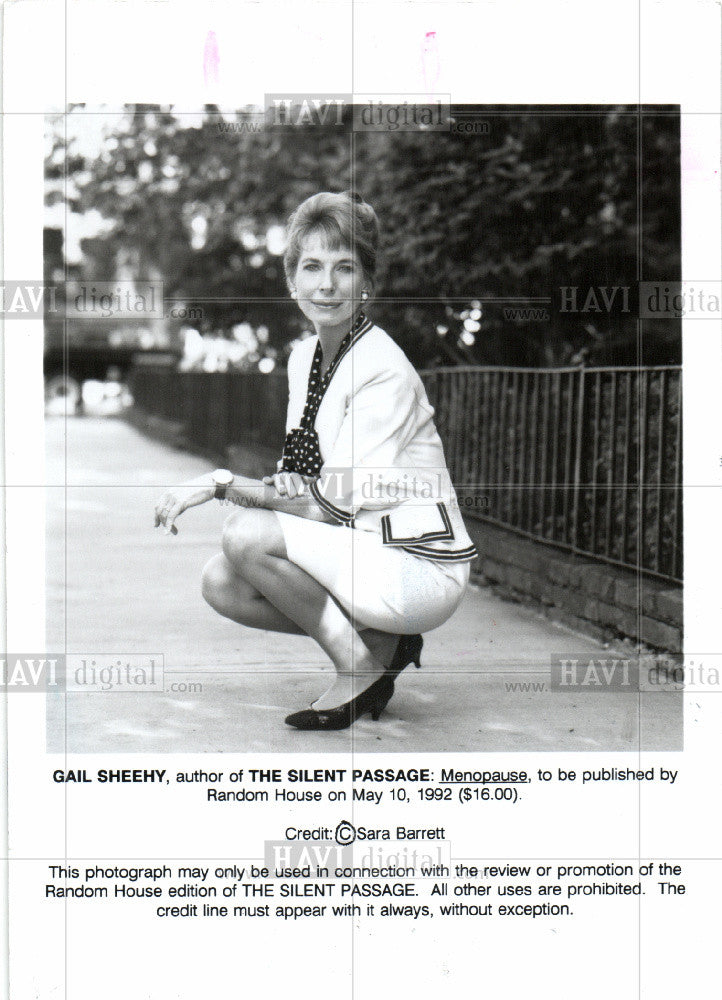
(301, 451)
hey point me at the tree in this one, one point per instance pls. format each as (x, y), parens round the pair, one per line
(541, 199)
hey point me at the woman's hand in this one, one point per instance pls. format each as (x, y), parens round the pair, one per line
(288, 484)
(180, 498)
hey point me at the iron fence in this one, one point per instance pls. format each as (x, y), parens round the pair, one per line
(585, 459)
(216, 409)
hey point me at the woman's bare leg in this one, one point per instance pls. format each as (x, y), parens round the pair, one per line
(233, 597)
(255, 548)
(381, 645)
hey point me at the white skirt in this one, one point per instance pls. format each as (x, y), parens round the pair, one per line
(380, 586)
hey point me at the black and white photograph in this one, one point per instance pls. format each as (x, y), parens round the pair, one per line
(361, 474)
(335, 391)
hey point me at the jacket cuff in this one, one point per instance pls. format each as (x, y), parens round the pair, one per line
(340, 516)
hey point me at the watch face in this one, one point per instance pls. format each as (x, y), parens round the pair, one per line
(223, 477)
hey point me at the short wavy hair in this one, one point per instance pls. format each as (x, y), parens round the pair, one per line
(345, 219)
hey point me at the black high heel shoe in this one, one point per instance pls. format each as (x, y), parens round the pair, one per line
(374, 700)
(408, 651)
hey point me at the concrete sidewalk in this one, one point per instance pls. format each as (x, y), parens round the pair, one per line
(130, 589)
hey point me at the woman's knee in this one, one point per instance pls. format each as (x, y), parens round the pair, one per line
(217, 581)
(243, 536)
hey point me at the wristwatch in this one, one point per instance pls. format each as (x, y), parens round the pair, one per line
(223, 479)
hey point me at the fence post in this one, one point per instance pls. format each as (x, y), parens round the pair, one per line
(578, 463)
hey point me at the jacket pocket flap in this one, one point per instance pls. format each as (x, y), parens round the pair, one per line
(417, 522)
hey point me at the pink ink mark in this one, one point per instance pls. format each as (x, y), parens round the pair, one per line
(431, 62)
(211, 60)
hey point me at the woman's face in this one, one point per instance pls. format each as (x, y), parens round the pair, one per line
(328, 284)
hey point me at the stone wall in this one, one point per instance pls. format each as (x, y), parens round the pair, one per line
(605, 601)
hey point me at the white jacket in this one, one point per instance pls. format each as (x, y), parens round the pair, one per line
(383, 462)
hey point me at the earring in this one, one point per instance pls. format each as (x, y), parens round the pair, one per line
(293, 293)
(364, 295)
